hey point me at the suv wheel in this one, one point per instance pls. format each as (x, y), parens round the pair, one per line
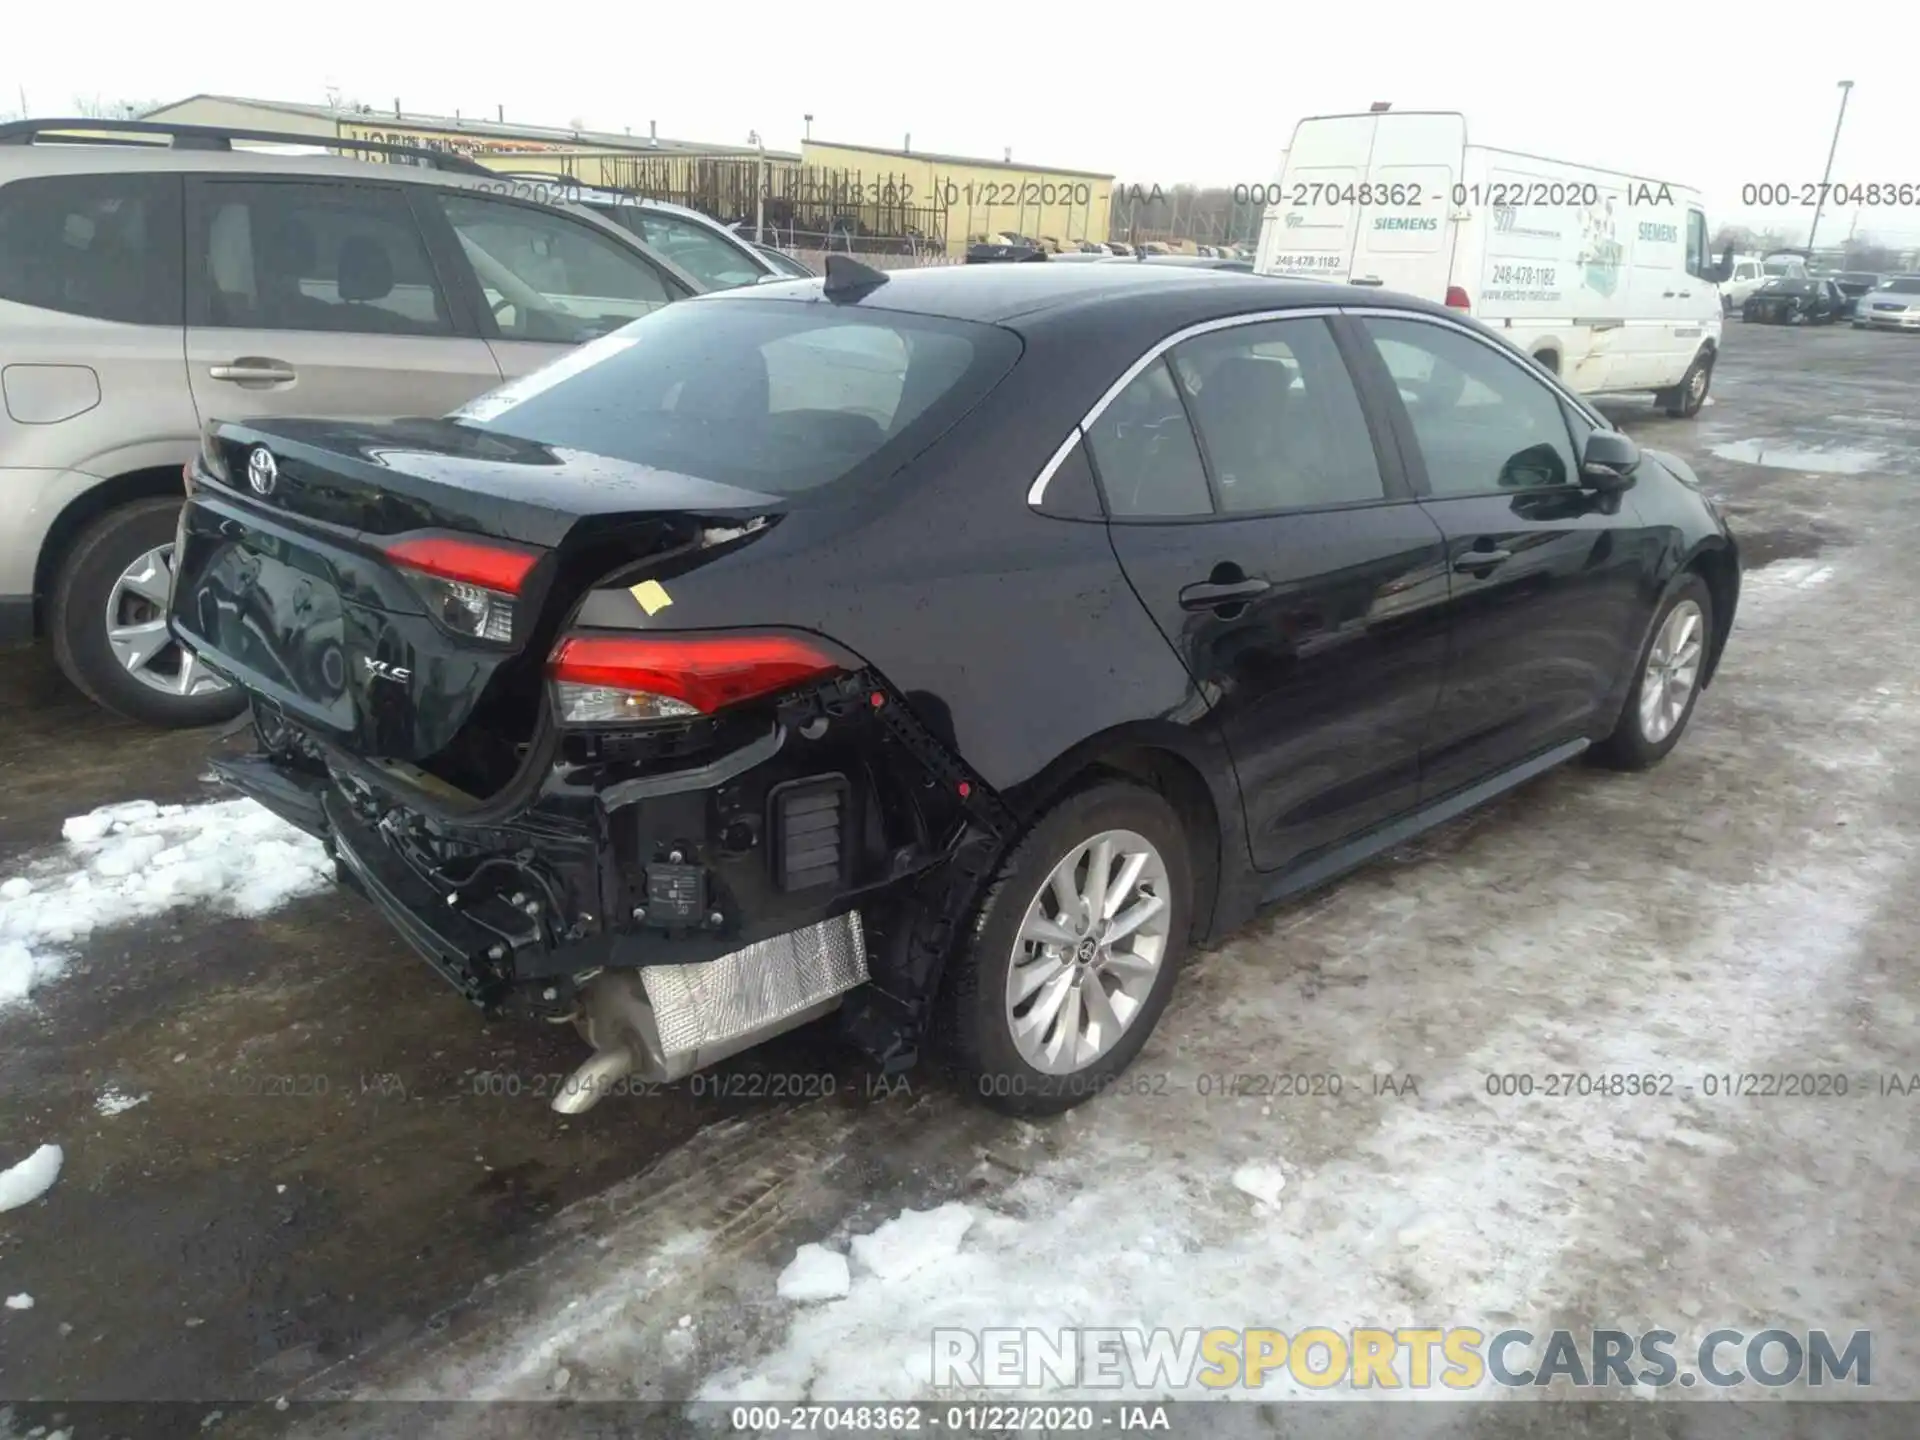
(108, 619)
(1074, 951)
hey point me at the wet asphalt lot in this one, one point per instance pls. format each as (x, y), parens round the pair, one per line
(320, 1175)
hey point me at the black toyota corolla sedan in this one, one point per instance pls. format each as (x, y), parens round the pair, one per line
(947, 652)
(1794, 301)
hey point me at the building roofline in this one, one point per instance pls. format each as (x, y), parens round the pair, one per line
(481, 128)
(965, 160)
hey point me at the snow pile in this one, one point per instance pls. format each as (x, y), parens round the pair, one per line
(114, 1102)
(911, 1241)
(31, 1178)
(815, 1273)
(22, 1301)
(126, 862)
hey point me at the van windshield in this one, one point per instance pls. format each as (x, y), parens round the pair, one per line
(768, 395)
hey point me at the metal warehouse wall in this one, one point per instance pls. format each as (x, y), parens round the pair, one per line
(983, 197)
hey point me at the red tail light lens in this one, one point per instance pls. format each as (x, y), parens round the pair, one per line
(612, 679)
(500, 568)
(1457, 299)
(470, 584)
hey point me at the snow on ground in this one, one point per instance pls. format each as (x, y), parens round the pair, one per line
(816, 1273)
(26, 1182)
(129, 861)
(113, 1102)
(1622, 926)
(1788, 456)
(22, 1301)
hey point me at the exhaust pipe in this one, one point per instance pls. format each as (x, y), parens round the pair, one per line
(660, 1023)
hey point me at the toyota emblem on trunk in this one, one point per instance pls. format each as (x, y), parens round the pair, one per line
(262, 471)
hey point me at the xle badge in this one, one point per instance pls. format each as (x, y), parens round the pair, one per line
(381, 670)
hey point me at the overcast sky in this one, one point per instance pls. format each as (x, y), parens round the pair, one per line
(1701, 94)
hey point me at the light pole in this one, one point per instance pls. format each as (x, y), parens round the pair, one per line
(809, 120)
(1846, 88)
(759, 188)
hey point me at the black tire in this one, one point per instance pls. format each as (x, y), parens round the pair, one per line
(77, 620)
(974, 1023)
(1628, 747)
(1681, 401)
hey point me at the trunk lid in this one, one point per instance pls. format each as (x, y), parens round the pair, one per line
(285, 576)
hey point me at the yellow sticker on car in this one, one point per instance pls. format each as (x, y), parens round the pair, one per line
(652, 596)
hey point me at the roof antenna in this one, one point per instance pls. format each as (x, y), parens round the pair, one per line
(847, 276)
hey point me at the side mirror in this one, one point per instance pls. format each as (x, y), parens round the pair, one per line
(1608, 463)
(1721, 273)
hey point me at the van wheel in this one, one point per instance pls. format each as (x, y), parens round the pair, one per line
(1073, 953)
(1685, 399)
(107, 617)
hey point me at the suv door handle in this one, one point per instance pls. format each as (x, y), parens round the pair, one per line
(251, 370)
(1480, 559)
(1208, 594)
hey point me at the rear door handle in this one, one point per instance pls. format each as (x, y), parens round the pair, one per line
(1208, 594)
(248, 370)
(1481, 559)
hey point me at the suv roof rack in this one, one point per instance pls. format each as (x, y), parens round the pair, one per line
(221, 137)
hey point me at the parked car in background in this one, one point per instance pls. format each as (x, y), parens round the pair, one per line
(288, 284)
(791, 267)
(719, 258)
(1001, 248)
(1750, 272)
(674, 698)
(1786, 301)
(1854, 284)
(1894, 306)
(1119, 247)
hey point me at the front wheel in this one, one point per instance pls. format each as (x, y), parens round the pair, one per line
(1073, 954)
(1685, 399)
(1663, 695)
(108, 621)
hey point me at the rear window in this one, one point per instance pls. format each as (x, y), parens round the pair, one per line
(1788, 287)
(104, 246)
(771, 396)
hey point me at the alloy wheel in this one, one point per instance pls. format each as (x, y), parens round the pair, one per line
(137, 630)
(1673, 665)
(1088, 952)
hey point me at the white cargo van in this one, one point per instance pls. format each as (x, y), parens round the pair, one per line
(1603, 277)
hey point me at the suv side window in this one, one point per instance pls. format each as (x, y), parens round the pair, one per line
(1278, 417)
(1144, 452)
(1483, 424)
(546, 276)
(303, 255)
(103, 246)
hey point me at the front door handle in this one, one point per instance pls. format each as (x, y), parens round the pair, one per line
(253, 370)
(1481, 559)
(1209, 594)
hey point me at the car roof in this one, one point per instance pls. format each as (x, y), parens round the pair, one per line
(1000, 294)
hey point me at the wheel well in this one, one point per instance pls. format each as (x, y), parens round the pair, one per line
(1549, 357)
(1721, 572)
(82, 511)
(1182, 786)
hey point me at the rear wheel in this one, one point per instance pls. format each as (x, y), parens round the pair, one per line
(107, 618)
(1671, 664)
(1685, 399)
(1073, 954)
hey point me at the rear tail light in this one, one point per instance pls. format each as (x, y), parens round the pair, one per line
(1457, 299)
(469, 585)
(622, 679)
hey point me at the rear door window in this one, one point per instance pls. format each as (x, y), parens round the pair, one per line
(712, 260)
(300, 255)
(1144, 453)
(102, 246)
(547, 276)
(765, 395)
(1279, 421)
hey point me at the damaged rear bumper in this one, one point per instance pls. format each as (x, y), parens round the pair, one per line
(675, 912)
